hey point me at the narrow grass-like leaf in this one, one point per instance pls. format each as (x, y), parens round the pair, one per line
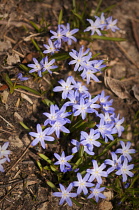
(78, 16)
(39, 165)
(37, 47)
(28, 89)
(47, 168)
(93, 37)
(78, 162)
(81, 151)
(47, 102)
(50, 184)
(108, 147)
(109, 8)
(24, 126)
(77, 203)
(34, 26)
(23, 67)
(134, 180)
(8, 82)
(60, 17)
(98, 7)
(61, 56)
(108, 38)
(44, 157)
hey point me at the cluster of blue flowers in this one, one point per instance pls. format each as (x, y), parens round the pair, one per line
(82, 59)
(4, 155)
(79, 104)
(101, 23)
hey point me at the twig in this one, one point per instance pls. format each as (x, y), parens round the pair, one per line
(7, 121)
(12, 182)
(30, 94)
(6, 131)
(19, 159)
(18, 53)
(8, 193)
(15, 23)
(11, 40)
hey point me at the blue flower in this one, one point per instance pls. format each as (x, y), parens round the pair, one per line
(111, 24)
(79, 57)
(125, 151)
(50, 48)
(47, 65)
(118, 127)
(36, 67)
(125, 170)
(69, 34)
(4, 152)
(102, 21)
(95, 26)
(59, 36)
(1, 162)
(65, 87)
(88, 149)
(59, 126)
(104, 99)
(63, 161)
(116, 162)
(82, 108)
(41, 136)
(96, 192)
(65, 194)
(20, 76)
(91, 138)
(97, 172)
(89, 74)
(105, 130)
(82, 184)
(98, 66)
(52, 116)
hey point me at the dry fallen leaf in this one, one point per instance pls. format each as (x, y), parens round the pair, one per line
(4, 97)
(136, 91)
(105, 205)
(18, 117)
(116, 87)
(12, 59)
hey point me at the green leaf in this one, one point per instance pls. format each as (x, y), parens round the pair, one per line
(81, 151)
(23, 67)
(8, 82)
(28, 89)
(35, 26)
(39, 165)
(98, 7)
(24, 126)
(78, 162)
(109, 8)
(47, 102)
(108, 147)
(50, 184)
(44, 157)
(47, 168)
(60, 17)
(53, 168)
(77, 15)
(77, 203)
(134, 180)
(61, 56)
(108, 38)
